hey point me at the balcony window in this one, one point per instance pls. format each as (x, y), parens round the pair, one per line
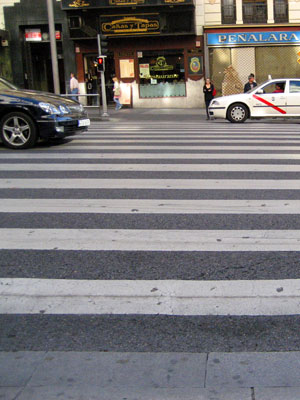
(228, 12)
(254, 11)
(281, 11)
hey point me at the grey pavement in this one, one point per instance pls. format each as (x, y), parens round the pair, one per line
(136, 376)
(147, 114)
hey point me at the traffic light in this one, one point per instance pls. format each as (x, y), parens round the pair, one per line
(101, 64)
(103, 44)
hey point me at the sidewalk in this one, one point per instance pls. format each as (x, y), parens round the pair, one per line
(149, 376)
(148, 114)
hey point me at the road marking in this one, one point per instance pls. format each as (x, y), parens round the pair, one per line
(147, 142)
(175, 147)
(153, 167)
(168, 297)
(167, 184)
(188, 156)
(128, 206)
(150, 240)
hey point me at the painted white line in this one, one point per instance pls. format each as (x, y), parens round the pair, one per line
(167, 184)
(199, 140)
(129, 206)
(176, 148)
(169, 297)
(150, 240)
(161, 156)
(152, 167)
(211, 136)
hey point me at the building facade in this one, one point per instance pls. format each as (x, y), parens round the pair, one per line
(248, 36)
(29, 44)
(155, 47)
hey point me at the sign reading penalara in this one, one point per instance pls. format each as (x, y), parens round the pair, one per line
(79, 3)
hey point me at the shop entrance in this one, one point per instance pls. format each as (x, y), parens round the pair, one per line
(92, 78)
(38, 68)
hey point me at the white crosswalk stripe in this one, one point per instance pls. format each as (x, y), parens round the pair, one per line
(179, 148)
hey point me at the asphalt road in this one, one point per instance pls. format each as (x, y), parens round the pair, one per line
(153, 333)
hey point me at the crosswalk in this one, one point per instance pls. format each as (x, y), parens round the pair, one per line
(191, 219)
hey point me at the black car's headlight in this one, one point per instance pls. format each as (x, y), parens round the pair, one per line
(50, 108)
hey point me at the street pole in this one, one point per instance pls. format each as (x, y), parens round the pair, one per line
(53, 46)
(103, 91)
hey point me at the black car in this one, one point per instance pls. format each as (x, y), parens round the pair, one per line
(29, 115)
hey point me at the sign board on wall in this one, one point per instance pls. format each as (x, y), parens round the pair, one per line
(127, 68)
(253, 38)
(85, 4)
(33, 35)
(138, 24)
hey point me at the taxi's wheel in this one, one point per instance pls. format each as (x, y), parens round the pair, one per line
(237, 113)
(18, 131)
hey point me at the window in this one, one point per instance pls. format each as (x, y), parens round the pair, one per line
(228, 12)
(254, 11)
(294, 86)
(274, 88)
(281, 11)
(162, 73)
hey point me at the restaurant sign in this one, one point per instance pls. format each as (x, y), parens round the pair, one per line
(85, 4)
(253, 38)
(139, 24)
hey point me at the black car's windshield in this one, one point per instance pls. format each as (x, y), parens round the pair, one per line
(6, 85)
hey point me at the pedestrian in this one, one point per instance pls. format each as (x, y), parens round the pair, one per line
(250, 84)
(74, 86)
(117, 93)
(209, 93)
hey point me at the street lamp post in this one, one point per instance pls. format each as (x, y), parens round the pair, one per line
(53, 46)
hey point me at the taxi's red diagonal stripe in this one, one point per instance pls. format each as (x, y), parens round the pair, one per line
(269, 104)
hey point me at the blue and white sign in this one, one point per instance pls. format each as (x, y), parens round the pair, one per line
(252, 38)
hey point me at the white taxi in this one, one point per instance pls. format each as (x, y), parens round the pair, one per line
(274, 98)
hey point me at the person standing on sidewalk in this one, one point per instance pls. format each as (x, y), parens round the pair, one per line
(250, 84)
(74, 86)
(208, 90)
(117, 93)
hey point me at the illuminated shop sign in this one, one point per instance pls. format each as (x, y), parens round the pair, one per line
(253, 38)
(84, 4)
(130, 25)
(33, 35)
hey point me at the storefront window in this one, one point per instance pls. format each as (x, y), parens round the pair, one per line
(161, 73)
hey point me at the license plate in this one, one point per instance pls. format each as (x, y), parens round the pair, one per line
(84, 122)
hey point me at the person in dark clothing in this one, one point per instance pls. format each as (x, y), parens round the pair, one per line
(250, 84)
(208, 90)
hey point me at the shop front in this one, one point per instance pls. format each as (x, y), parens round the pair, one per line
(265, 52)
(152, 48)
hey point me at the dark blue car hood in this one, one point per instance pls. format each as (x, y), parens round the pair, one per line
(35, 97)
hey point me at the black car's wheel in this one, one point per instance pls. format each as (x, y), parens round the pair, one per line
(18, 131)
(237, 113)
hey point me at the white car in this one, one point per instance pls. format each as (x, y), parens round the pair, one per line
(274, 98)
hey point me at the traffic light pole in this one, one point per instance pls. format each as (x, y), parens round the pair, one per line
(103, 91)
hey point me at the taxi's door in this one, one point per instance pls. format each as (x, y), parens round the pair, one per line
(293, 98)
(270, 100)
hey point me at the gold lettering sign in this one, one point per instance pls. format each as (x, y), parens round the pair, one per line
(161, 65)
(79, 3)
(125, 2)
(174, 1)
(130, 25)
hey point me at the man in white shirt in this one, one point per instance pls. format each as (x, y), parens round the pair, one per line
(74, 87)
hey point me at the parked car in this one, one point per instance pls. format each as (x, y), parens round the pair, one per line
(274, 98)
(28, 115)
